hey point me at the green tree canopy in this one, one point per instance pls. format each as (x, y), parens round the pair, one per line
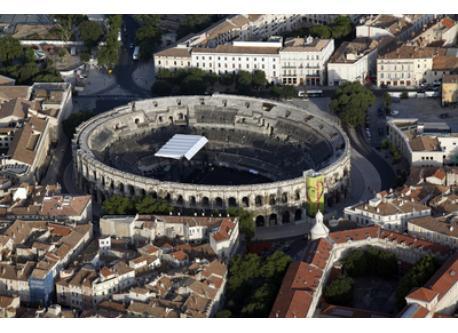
(351, 103)
(246, 223)
(320, 31)
(118, 205)
(10, 49)
(339, 292)
(90, 33)
(259, 79)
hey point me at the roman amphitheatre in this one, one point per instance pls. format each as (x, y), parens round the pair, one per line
(258, 155)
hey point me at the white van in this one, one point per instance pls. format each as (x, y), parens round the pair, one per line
(136, 54)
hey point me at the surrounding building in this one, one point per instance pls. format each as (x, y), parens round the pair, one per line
(353, 61)
(40, 250)
(407, 66)
(387, 210)
(450, 89)
(221, 232)
(423, 144)
(443, 230)
(297, 61)
(440, 32)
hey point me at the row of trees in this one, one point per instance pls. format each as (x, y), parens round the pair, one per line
(183, 82)
(19, 63)
(108, 54)
(120, 205)
(253, 284)
(195, 81)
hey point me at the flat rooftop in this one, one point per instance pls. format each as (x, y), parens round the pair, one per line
(182, 145)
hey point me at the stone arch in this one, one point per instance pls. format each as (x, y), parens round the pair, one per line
(112, 186)
(180, 116)
(273, 219)
(168, 197)
(121, 187)
(130, 190)
(246, 202)
(284, 197)
(153, 194)
(285, 217)
(180, 200)
(258, 201)
(272, 199)
(142, 192)
(260, 221)
(171, 120)
(297, 195)
(192, 201)
(232, 202)
(218, 202)
(94, 175)
(298, 215)
(137, 121)
(205, 202)
(103, 180)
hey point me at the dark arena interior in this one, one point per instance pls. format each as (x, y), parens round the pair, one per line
(231, 156)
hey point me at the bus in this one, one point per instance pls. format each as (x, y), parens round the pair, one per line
(136, 54)
(315, 93)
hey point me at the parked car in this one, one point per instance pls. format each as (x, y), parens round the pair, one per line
(394, 112)
(443, 115)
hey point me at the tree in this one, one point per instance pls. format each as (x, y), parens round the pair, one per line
(108, 55)
(148, 35)
(10, 49)
(244, 81)
(253, 284)
(118, 205)
(339, 292)
(246, 223)
(320, 31)
(149, 205)
(282, 91)
(417, 276)
(259, 79)
(90, 33)
(341, 27)
(67, 23)
(193, 85)
(351, 103)
(161, 87)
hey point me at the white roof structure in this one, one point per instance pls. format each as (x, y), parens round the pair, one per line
(182, 145)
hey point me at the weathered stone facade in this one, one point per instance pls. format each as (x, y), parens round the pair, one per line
(274, 203)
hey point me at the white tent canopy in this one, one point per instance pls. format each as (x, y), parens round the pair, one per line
(182, 145)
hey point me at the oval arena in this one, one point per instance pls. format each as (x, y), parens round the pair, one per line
(258, 156)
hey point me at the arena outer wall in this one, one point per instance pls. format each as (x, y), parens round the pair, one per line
(272, 203)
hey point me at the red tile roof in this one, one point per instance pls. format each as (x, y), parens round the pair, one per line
(422, 294)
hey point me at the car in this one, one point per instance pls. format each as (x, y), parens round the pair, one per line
(131, 45)
(443, 115)
(394, 112)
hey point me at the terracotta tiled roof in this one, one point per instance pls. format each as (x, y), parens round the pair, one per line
(422, 294)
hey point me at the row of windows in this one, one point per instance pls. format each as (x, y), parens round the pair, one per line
(233, 58)
(247, 66)
(395, 76)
